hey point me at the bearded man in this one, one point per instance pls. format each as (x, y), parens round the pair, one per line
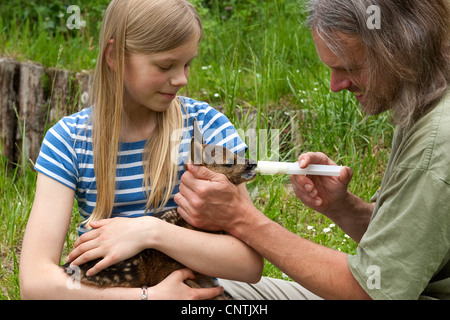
(403, 234)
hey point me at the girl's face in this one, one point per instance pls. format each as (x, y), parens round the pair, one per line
(153, 80)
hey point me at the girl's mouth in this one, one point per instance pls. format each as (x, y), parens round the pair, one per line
(169, 96)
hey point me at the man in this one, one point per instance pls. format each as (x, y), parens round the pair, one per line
(402, 65)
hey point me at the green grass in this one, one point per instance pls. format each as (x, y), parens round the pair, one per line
(256, 65)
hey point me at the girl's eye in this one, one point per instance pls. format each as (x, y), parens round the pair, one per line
(164, 68)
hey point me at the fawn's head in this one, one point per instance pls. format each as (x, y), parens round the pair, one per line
(220, 159)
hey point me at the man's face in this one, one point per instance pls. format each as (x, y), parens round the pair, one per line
(349, 72)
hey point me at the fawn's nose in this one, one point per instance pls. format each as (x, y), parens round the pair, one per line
(250, 165)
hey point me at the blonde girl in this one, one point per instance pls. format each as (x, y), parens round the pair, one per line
(115, 159)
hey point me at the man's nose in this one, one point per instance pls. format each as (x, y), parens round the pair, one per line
(339, 81)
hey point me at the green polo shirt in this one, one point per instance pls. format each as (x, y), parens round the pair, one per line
(405, 252)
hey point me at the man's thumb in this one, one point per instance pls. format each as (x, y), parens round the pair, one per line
(201, 172)
(346, 175)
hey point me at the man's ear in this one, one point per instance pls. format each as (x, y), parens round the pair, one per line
(110, 54)
(196, 144)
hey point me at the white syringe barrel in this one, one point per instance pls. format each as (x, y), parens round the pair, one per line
(272, 167)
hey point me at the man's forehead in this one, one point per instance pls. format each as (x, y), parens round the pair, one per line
(354, 49)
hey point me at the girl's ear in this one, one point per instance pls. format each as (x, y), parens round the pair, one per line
(110, 54)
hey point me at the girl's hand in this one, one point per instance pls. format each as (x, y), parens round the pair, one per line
(321, 193)
(174, 288)
(113, 240)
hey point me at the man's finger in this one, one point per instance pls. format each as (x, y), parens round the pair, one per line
(201, 172)
(185, 191)
(314, 158)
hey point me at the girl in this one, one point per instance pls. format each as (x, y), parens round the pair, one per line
(116, 159)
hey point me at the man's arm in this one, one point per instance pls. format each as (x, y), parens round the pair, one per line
(208, 200)
(321, 270)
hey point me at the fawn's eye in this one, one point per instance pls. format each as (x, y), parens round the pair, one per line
(228, 165)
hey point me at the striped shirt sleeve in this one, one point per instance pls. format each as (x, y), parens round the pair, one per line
(57, 158)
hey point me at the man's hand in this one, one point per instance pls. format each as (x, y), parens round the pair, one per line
(321, 193)
(208, 200)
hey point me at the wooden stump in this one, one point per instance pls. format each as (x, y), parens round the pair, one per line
(9, 77)
(85, 80)
(30, 131)
(59, 95)
(32, 99)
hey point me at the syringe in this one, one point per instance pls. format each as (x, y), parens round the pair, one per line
(271, 167)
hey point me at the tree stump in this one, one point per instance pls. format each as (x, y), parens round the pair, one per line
(59, 95)
(32, 99)
(30, 131)
(85, 80)
(9, 77)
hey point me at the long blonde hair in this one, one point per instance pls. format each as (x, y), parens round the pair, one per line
(145, 27)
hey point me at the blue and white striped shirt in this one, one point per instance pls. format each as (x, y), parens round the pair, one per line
(66, 156)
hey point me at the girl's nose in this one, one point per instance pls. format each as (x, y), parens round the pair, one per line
(180, 79)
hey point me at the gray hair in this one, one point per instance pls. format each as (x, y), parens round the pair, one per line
(408, 55)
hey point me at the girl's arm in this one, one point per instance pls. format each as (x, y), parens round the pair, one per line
(40, 275)
(215, 255)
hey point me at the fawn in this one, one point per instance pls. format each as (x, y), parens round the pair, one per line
(150, 266)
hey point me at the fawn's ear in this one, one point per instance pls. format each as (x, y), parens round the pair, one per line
(196, 152)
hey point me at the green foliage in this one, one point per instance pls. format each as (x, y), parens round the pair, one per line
(257, 63)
